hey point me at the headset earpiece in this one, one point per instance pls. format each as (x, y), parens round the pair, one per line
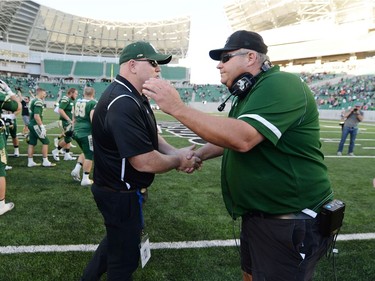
(244, 83)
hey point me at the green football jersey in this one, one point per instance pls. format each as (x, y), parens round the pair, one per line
(36, 107)
(66, 104)
(7, 104)
(82, 125)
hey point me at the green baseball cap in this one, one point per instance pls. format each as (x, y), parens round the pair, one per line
(142, 50)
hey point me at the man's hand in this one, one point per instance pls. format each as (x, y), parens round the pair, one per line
(163, 93)
(189, 162)
(189, 153)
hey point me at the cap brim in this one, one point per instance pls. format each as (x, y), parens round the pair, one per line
(161, 59)
(216, 54)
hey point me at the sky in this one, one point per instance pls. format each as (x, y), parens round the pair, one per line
(209, 26)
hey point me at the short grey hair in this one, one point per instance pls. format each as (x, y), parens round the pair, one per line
(262, 57)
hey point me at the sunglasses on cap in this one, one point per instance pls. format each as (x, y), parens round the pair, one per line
(154, 63)
(226, 57)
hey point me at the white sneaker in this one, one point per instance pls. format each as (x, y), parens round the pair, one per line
(7, 168)
(68, 157)
(33, 164)
(75, 176)
(16, 155)
(339, 153)
(7, 207)
(87, 182)
(351, 154)
(56, 142)
(55, 154)
(48, 164)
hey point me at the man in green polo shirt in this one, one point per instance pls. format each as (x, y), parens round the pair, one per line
(273, 175)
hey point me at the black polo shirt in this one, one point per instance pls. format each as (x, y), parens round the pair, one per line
(123, 126)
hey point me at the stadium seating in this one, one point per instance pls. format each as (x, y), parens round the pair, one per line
(84, 69)
(111, 69)
(331, 91)
(175, 73)
(58, 68)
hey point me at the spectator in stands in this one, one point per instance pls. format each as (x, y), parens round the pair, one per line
(128, 152)
(352, 118)
(273, 174)
(38, 130)
(11, 102)
(84, 109)
(66, 108)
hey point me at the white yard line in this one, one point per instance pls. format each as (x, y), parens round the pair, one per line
(161, 245)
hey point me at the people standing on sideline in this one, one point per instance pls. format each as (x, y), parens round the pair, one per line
(128, 152)
(66, 108)
(352, 118)
(83, 112)
(8, 101)
(38, 130)
(25, 111)
(273, 174)
(10, 120)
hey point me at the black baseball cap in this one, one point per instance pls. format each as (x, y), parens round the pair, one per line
(241, 39)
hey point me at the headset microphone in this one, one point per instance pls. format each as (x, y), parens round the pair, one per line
(222, 106)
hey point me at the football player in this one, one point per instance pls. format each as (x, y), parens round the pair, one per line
(83, 112)
(11, 102)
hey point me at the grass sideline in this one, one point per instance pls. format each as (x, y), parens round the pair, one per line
(52, 209)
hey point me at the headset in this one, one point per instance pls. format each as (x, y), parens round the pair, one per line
(244, 83)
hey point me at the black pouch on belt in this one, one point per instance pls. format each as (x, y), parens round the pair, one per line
(331, 217)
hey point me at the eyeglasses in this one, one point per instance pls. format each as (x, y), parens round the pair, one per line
(226, 57)
(154, 63)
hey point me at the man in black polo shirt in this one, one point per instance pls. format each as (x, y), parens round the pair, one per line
(128, 152)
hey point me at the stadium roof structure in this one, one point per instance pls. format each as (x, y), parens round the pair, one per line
(44, 29)
(308, 31)
(271, 14)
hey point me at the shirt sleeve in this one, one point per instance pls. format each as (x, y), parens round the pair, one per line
(276, 105)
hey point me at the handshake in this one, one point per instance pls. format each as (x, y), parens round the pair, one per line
(189, 160)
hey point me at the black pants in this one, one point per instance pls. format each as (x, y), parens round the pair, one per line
(281, 249)
(118, 253)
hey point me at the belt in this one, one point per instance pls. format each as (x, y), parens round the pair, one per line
(290, 216)
(117, 190)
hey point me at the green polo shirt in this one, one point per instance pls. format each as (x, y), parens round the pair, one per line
(285, 173)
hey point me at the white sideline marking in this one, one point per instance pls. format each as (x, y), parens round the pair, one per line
(162, 245)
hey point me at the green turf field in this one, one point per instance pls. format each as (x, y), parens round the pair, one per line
(52, 209)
